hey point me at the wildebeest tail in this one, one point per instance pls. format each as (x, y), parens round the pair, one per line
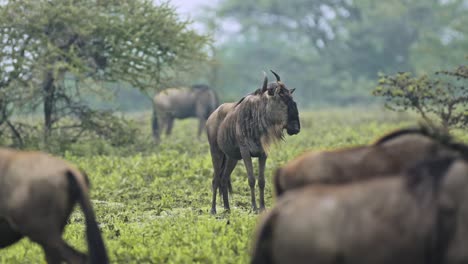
(96, 249)
(262, 251)
(213, 104)
(154, 124)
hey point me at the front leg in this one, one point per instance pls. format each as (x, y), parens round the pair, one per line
(261, 179)
(245, 153)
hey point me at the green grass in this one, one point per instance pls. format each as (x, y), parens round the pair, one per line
(154, 208)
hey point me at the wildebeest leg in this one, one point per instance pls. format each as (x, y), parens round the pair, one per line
(217, 158)
(57, 250)
(8, 235)
(46, 232)
(226, 180)
(214, 186)
(245, 153)
(45, 226)
(261, 179)
(170, 123)
(201, 126)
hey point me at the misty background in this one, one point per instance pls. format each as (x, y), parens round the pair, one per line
(73, 69)
(332, 51)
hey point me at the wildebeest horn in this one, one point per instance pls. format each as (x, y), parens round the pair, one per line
(265, 82)
(276, 75)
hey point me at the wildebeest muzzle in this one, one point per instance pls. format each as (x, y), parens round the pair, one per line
(294, 125)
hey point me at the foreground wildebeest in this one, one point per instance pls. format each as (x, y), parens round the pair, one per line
(410, 218)
(37, 195)
(196, 101)
(244, 130)
(389, 155)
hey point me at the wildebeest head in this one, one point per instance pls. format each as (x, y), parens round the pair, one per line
(281, 105)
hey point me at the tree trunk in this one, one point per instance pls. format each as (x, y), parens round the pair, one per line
(48, 90)
(17, 139)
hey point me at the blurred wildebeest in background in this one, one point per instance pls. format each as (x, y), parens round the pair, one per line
(406, 219)
(389, 155)
(244, 130)
(196, 101)
(37, 195)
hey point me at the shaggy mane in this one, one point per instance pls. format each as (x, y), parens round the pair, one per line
(437, 134)
(254, 121)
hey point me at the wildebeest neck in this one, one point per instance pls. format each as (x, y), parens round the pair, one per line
(255, 122)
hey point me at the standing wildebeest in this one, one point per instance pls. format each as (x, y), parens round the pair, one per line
(407, 219)
(37, 195)
(197, 101)
(244, 130)
(390, 155)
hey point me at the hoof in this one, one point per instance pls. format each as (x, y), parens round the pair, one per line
(213, 211)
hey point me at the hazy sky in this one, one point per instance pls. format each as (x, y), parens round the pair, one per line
(191, 7)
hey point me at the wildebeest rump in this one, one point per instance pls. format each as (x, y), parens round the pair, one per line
(244, 130)
(37, 195)
(390, 155)
(406, 219)
(177, 103)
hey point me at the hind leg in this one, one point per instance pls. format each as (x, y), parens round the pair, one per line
(42, 218)
(47, 233)
(56, 251)
(226, 181)
(217, 157)
(201, 125)
(8, 235)
(261, 179)
(170, 124)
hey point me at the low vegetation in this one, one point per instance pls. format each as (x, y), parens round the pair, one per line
(153, 205)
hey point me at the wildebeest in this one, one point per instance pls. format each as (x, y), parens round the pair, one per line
(244, 130)
(390, 155)
(409, 218)
(37, 195)
(196, 101)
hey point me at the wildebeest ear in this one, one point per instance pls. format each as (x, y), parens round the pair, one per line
(265, 82)
(292, 90)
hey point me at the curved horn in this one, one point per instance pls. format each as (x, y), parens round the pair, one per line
(265, 82)
(276, 75)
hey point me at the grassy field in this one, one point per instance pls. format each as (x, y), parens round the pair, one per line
(154, 208)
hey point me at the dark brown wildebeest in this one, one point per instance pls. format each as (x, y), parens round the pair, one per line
(196, 101)
(244, 130)
(37, 195)
(390, 155)
(406, 219)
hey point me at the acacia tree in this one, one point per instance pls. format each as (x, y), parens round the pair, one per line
(441, 98)
(45, 42)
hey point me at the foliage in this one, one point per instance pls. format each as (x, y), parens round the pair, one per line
(154, 207)
(332, 50)
(53, 53)
(431, 97)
